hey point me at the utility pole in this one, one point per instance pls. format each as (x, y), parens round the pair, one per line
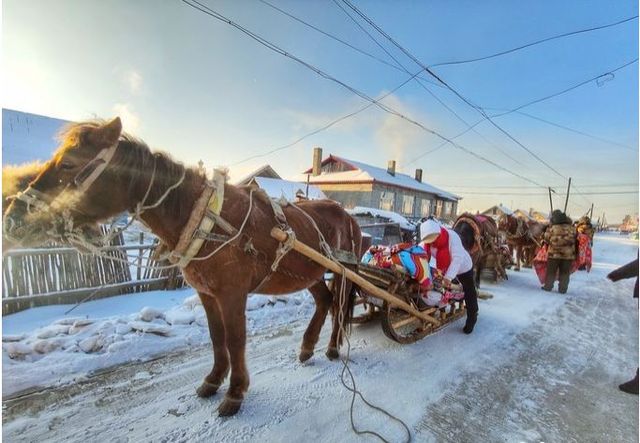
(550, 201)
(566, 201)
(306, 192)
(591, 212)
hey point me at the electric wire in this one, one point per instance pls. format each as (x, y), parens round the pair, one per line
(423, 86)
(342, 41)
(537, 42)
(210, 12)
(459, 95)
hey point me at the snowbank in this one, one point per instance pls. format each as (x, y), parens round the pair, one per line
(44, 347)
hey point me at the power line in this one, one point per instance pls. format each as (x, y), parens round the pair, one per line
(518, 108)
(544, 194)
(328, 125)
(571, 88)
(431, 93)
(458, 94)
(612, 185)
(210, 12)
(577, 131)
(339, 40)
(537, 42)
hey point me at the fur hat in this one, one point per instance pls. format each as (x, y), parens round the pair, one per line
(429, 230)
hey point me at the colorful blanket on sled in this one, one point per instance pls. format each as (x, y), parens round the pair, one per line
(583, 258)
(411, 258)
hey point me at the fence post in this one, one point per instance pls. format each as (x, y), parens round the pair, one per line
(140, 252)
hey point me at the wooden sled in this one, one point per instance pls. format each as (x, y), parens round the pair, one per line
(386, 294)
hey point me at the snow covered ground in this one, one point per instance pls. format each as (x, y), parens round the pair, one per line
(45, 347)
(539, 367)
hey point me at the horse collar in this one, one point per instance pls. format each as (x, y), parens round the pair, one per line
(205, 213)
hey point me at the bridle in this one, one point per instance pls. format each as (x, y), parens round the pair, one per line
(81, 182)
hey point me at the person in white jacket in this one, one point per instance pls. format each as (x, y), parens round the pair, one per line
(453, 261)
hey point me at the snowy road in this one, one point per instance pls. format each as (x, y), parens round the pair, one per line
(539, 367)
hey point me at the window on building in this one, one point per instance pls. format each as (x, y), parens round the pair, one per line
(448, 208)
(386, 201)
(425, 210)
(407, 204)
(438, 208)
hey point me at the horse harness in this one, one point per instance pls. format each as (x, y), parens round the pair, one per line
(482, 242)
(521, 230)
(205, 216)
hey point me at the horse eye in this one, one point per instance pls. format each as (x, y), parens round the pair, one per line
(67, 165)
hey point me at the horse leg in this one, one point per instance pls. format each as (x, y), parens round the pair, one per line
(518, 257)
(341, 317)
(478, 271)
(322, 296)
(220, 369)
(233, 311)
(499, 268)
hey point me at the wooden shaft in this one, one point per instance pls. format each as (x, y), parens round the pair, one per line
(550, 201)
(314, 255)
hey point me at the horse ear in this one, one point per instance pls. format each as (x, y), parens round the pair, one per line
(108, 134)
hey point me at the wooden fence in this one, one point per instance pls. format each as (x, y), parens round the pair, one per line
(62, 275)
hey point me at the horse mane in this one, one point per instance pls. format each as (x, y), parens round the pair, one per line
(135, 161)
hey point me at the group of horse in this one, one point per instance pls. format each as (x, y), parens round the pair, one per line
(496, 246)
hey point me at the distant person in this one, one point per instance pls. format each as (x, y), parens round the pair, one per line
(629, 270)
(454, 262)
(584, 226)
(560, 237)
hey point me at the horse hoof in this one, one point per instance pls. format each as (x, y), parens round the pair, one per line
(305, 355)
(229, 406)
(206, 389)
(332, 354)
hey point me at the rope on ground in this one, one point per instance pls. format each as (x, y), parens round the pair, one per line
(346, 369)
(344, 333)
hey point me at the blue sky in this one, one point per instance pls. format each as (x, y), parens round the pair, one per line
(200, 89)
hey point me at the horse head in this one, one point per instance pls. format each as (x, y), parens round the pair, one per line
(73, 190)
(507, 223)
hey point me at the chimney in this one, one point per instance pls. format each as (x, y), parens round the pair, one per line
(391, 167)
(419, 175)
(317, 161)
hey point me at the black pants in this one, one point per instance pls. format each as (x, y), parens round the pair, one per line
(470, 292)
(561, 266)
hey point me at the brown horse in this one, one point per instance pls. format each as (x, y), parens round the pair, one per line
(135, 176)
(479, 235)
(522, 236)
